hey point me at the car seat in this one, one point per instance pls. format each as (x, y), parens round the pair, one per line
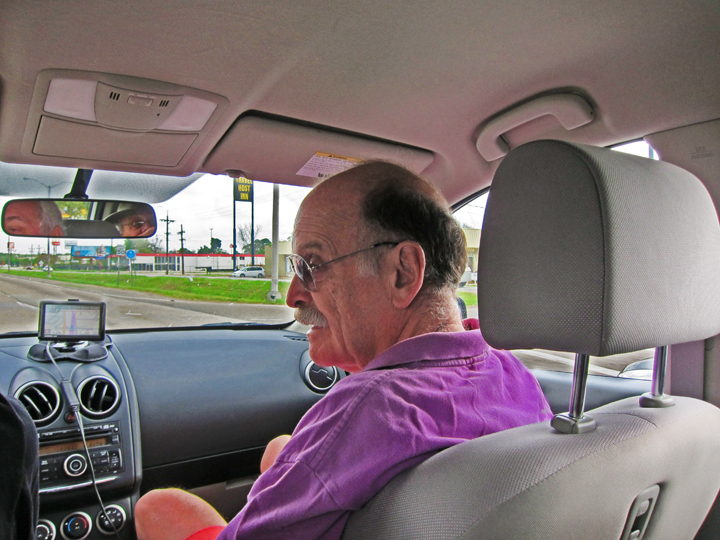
(594, 252)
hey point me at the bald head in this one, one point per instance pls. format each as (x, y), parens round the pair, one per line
(388, 202)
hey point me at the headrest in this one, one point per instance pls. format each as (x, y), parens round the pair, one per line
(592, 251)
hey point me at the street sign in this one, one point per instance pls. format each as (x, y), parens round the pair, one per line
(130, 254)
(120, 250)
(11, 245)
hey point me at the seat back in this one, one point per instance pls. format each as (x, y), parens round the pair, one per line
(588, 251)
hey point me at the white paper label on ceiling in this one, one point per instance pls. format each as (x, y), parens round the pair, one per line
(323, 165)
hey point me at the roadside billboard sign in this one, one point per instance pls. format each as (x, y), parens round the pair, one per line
(98, 252)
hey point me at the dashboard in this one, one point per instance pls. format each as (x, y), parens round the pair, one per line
(186, 407)
(191, 408)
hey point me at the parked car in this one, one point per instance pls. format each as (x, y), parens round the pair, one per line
(250, 271)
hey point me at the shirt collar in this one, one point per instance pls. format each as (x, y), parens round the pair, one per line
(433, 346)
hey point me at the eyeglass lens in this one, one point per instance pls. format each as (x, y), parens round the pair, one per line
(303, 272)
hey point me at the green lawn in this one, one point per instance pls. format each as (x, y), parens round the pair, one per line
(220, 290)
(245, 291)
(469, 297)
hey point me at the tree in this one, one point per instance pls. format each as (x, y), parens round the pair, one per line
(142, 245)
(215, 244)
(259, 246)
(244, 238)
(74, 209)
(156, 245)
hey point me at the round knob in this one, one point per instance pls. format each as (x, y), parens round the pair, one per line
(45, 530)
(75, 465)
(117, 517)
(76, 526)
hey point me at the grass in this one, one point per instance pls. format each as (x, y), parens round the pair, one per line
(469, 297)
(179, 287)
(245, 291)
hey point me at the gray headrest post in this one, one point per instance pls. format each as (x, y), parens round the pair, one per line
(657, 398)
(575, 421)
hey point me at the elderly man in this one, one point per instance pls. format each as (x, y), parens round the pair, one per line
(377, 261)
(137, 221)
(32, 217)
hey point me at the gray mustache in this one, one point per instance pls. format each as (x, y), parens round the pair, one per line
(310, 316)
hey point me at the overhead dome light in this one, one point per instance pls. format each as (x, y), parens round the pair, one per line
(73, 98)
(136, 109)
(191, 114)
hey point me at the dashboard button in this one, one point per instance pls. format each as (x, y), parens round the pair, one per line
(76, 526)
(75, 465)
(45, 530)
(117, 517)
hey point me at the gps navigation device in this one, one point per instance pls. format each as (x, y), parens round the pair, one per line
(71, 321)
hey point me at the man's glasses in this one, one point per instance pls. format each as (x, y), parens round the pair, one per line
(304, 270)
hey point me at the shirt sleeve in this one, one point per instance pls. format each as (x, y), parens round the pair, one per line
(288, 502)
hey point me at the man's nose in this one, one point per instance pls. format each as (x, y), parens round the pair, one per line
(297, 294)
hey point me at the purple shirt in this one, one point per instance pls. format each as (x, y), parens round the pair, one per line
(420, 396)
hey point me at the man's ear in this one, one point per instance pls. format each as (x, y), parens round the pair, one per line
(408, 273)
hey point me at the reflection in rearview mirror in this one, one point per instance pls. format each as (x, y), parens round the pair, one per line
(67, 218)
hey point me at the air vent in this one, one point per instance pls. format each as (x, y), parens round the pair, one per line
(296, 338)
(99, 396)
(165, 103)
(114, 96)
(320, 378)
(41, 400)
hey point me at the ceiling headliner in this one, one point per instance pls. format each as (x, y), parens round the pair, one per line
(424, 74)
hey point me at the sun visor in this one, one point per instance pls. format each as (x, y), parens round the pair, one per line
(111, 121)
(280, 150)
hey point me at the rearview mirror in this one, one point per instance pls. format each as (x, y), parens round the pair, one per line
(78, 218)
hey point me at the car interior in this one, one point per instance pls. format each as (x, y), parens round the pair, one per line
(584, 250)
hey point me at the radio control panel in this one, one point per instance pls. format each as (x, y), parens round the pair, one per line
(63, 457)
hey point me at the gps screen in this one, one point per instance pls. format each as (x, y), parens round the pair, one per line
(72, 321)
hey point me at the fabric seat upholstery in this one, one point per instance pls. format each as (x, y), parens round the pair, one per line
(588, 251)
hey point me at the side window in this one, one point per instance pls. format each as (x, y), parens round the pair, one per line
(637, 365)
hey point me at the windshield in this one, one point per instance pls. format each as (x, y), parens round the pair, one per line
(208, 263)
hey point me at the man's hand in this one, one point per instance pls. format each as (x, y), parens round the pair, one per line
(272, 451)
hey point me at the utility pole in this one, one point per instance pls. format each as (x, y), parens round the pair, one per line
(274, 293)
(182, 249)
(234, 244)
(167, 221)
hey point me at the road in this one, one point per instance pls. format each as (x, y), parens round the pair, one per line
(20, 297)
